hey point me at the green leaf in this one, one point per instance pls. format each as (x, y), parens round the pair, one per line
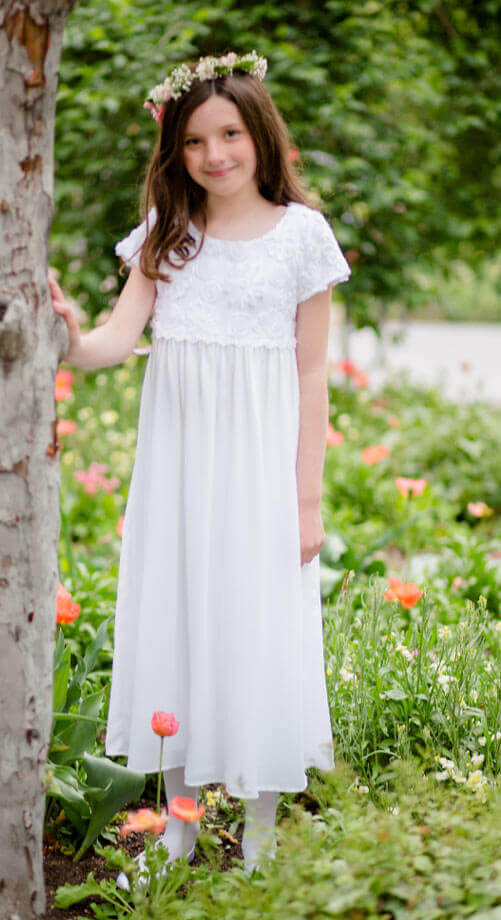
(394, 693)
(80, 734)
(122, 785)
(61, 674)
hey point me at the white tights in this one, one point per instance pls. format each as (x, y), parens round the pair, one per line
(259, 821)
(258, 839)
(179, 837)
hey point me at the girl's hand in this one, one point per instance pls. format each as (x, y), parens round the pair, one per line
(64, 310)
(311, 530)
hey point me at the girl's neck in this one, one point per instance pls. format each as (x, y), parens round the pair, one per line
(227, 216)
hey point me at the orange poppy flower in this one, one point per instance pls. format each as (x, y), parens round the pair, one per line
(185, 809)
(334, 437)
(145, 819)
(375, 454)
(66, 609)
(408, 594)
(64, 381)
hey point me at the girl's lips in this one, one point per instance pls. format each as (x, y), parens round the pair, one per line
(220, 172)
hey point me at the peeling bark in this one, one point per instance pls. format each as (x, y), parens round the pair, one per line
(32, 341)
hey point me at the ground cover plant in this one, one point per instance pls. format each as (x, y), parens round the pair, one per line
(405, 826)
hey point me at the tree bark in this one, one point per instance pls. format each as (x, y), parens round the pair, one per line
(31, 343)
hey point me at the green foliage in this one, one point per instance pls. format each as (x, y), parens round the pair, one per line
(400, 683)
(433, 855)
(88, 803)
(392, 107)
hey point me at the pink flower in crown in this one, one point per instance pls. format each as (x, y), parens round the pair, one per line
(156, 110)
(228, 60)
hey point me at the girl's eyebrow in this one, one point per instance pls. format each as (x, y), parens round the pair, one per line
(222, 128)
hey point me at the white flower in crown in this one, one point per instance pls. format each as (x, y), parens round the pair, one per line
(228, 60)
(207, 68)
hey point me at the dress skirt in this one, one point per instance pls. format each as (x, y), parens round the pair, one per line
(216, 619)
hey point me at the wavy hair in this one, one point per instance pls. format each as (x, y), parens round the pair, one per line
(176, 197)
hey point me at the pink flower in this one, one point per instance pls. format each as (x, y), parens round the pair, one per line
(185, 809)
(393, 422)
(145, 819)
(156, 110)
(95, 479)
(479, 509)
(66, 426)
(458, 582)
(334, 437)
(415, 486)
(164, 724)
(120, 525)
(375, 454)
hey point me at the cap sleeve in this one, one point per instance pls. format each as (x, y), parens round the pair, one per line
(322, 262)
(129, 249)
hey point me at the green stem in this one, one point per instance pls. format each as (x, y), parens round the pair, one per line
(159, 781)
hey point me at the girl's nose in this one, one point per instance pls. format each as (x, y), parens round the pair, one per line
(215, 155)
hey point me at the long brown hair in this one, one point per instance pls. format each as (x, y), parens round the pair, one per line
(169, 187)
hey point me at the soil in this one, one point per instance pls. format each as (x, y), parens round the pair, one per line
(60, 868)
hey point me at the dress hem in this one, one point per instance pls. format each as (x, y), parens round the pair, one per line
(215, 779)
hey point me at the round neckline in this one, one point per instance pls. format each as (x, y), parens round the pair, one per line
(253, 239)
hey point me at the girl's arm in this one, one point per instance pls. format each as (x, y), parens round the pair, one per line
(312, 334)
(116, 339)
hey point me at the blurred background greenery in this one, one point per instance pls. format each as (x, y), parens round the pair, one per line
(392, 107)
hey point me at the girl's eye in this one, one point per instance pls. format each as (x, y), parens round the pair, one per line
(191, 140)
(232, 131)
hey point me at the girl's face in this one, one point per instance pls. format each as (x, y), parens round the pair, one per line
(219, 153)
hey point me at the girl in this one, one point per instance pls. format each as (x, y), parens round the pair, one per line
(218, 614)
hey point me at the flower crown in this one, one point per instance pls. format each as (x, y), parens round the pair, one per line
(208, 68)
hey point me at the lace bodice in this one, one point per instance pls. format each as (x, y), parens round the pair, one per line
(245, 292)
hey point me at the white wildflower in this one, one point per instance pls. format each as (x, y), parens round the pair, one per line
(482, 741)
(477, 760)
(346, 674)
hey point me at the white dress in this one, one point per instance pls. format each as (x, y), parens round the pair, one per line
(216, 619)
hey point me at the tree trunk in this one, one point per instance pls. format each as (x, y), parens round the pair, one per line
(32, 340)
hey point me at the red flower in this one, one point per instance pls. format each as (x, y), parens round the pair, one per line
(164, 724)
(293, 155)
(66, 609)
(351, 370)
(64, 381)
(145, 819)
(185, 809)
(371, 455)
